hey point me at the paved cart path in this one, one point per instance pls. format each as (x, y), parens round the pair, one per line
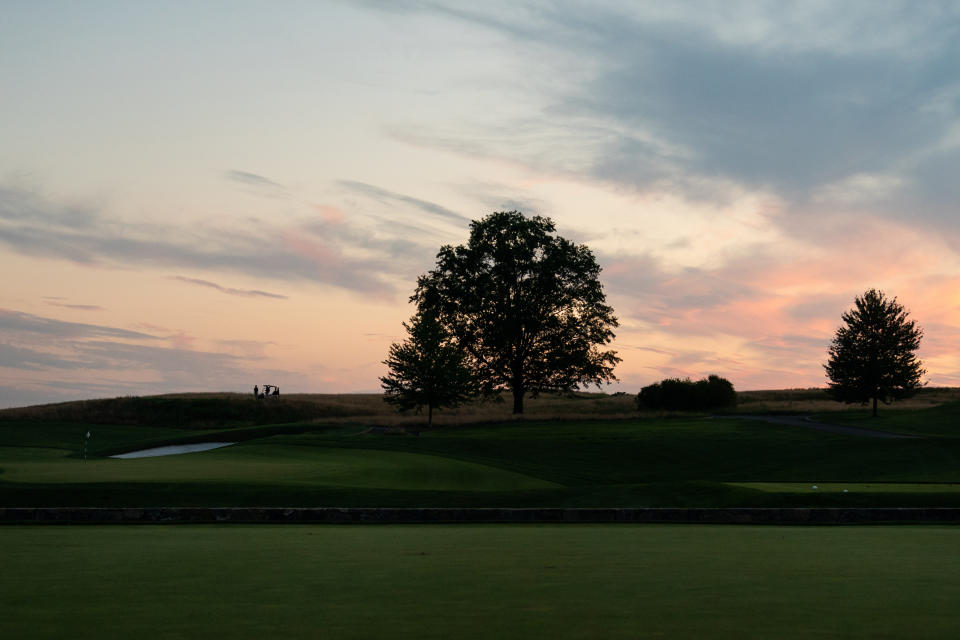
(808, 423)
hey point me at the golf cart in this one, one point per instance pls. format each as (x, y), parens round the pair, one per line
(269, 391)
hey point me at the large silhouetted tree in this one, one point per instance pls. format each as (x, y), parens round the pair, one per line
(525, 305)
(427, 369)
(872, 356)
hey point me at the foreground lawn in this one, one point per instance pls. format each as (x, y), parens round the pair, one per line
(435, 581)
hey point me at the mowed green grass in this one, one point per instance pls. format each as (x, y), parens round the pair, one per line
(938, 421)
(282, 465)
(487, 581)
(644, 462)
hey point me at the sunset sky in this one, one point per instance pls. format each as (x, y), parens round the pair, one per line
(204, 196)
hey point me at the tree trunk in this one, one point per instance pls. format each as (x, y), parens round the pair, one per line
(429, 414)
(517, 401)
(874, 407)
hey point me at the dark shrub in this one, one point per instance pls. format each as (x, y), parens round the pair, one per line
(719, 392)
(651, 397)
(675, 394)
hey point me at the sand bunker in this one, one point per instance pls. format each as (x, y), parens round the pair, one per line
(173, 450)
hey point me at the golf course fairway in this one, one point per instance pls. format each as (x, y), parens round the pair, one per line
(438, 581)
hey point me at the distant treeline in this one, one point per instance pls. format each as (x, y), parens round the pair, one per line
(675, 394)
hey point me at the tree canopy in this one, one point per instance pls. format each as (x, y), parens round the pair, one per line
(525, 305)
(427, 369)
(872, 356)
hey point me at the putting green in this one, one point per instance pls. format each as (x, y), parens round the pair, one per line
(277, 464)
(492, 581)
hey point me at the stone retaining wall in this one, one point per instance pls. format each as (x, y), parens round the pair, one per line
(329, 515)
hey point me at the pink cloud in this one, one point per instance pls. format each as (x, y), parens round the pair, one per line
(330, 214)
(314, 250)
(149, 327)
(766, 317)
(182, 340)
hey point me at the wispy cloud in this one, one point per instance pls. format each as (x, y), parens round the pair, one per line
(502, 197)
(17, 321)
(47, 359)
(383, 195)
(55, 301)
(25, 358)
(165, 360)
(798, 100)
(246, 293)
(264, 251)
(21, 206)
(262, 184)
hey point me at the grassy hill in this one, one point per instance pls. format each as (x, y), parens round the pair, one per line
(352, 460)
(936, 420)
(201, 410)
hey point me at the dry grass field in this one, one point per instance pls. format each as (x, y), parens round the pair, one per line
(816, 401)
(205, 409)
(200, 410)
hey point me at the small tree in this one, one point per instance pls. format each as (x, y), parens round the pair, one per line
(427, 369)
(525, 305)
(872, 356)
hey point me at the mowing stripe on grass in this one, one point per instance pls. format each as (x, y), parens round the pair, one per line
(354, 515)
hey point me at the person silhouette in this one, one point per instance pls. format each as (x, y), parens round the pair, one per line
(256, 391)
